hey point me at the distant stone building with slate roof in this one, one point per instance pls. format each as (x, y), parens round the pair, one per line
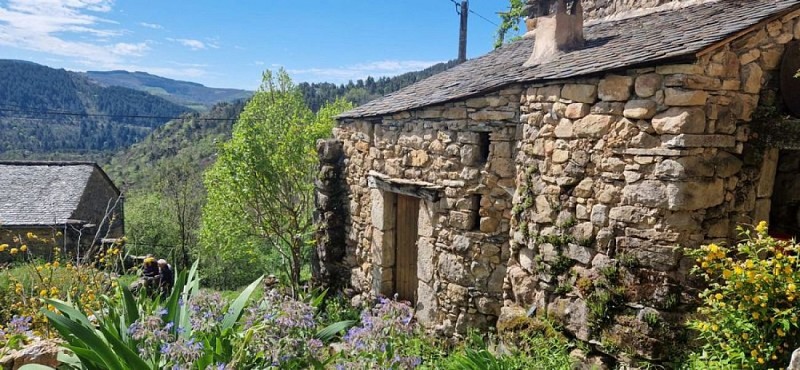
(568, 168)
(75, 199)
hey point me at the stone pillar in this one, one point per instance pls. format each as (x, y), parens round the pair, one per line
(330, 217)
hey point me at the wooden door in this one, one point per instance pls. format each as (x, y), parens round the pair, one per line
(405, 272)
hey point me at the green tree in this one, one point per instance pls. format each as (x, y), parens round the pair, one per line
(260, 189)
(148, 225)
(509, 21)
(183, 192)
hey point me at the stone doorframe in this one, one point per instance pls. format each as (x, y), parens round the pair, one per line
(383, 194)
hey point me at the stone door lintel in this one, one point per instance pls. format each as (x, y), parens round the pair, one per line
(418, 189)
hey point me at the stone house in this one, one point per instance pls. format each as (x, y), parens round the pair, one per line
(70, 204)
(562, 174)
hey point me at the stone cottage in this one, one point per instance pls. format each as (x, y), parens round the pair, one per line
(74, 202)
(562, 174)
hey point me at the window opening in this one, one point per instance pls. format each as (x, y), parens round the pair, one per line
(476, 211)
(484, 147)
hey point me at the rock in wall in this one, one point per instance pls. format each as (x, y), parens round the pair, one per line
(618, 173)
(594, 9)
(330, 217)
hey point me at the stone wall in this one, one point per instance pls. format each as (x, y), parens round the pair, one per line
(785, 211)
(612, 176)
(463, 236)
(595, 9)
(98, 200)
(41, 247)
(331, 214)
(617, 173)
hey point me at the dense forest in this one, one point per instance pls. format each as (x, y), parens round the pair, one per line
(193, 138)
(362, 91)
(45, 111)
(48, 113)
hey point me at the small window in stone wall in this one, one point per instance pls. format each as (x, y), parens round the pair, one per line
(789, 84)
(483, 141)
(475, 209)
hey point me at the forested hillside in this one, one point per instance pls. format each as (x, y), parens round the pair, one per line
(48, 113)
(193, 139)
(362, 91)
(186, 93)
(45, 111)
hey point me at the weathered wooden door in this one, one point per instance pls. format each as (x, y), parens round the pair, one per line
(405, 272)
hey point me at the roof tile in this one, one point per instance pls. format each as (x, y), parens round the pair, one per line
(609, 45)
(41, 193)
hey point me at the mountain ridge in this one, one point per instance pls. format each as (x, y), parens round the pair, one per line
(191, 94)
(45, 110)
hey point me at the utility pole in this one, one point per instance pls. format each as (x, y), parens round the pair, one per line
(462, 39)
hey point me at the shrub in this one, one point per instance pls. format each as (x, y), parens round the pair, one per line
(190, 329)
(30, 281)
(380, 341)
(748, 316)
(283, 333)
(526, 343)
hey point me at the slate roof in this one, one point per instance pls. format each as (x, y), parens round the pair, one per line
(42, 193)
(610, 45)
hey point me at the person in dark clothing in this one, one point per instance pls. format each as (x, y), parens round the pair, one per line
(150, 268)
(166, 277)
(150, 280)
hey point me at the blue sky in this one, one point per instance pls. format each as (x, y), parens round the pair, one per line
(228, 43)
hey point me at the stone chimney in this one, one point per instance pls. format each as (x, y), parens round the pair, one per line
(556, 25)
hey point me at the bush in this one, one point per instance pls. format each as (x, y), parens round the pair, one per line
(25, 286)
(380, 339)
(749, 312)
(189, 329)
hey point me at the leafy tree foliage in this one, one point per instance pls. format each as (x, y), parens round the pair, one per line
(182, 189)
(148, 225)
(509, 21)
(162, 179)
(260, 190)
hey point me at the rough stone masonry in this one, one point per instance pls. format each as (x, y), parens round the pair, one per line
(570, 197)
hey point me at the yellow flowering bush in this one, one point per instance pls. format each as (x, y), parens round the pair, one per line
(30, 280)
(749, 312)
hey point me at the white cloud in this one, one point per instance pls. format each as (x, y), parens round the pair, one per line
(128, 49)
(76, 31)
(361, 70)
(193, 44)
(191, 65)
(151, 25)
(212, 42)
(43, 26)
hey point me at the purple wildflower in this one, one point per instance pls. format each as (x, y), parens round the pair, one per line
(19, 325)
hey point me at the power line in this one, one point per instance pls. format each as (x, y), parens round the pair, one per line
(79, 114)
(458, 11)
(484, 18)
